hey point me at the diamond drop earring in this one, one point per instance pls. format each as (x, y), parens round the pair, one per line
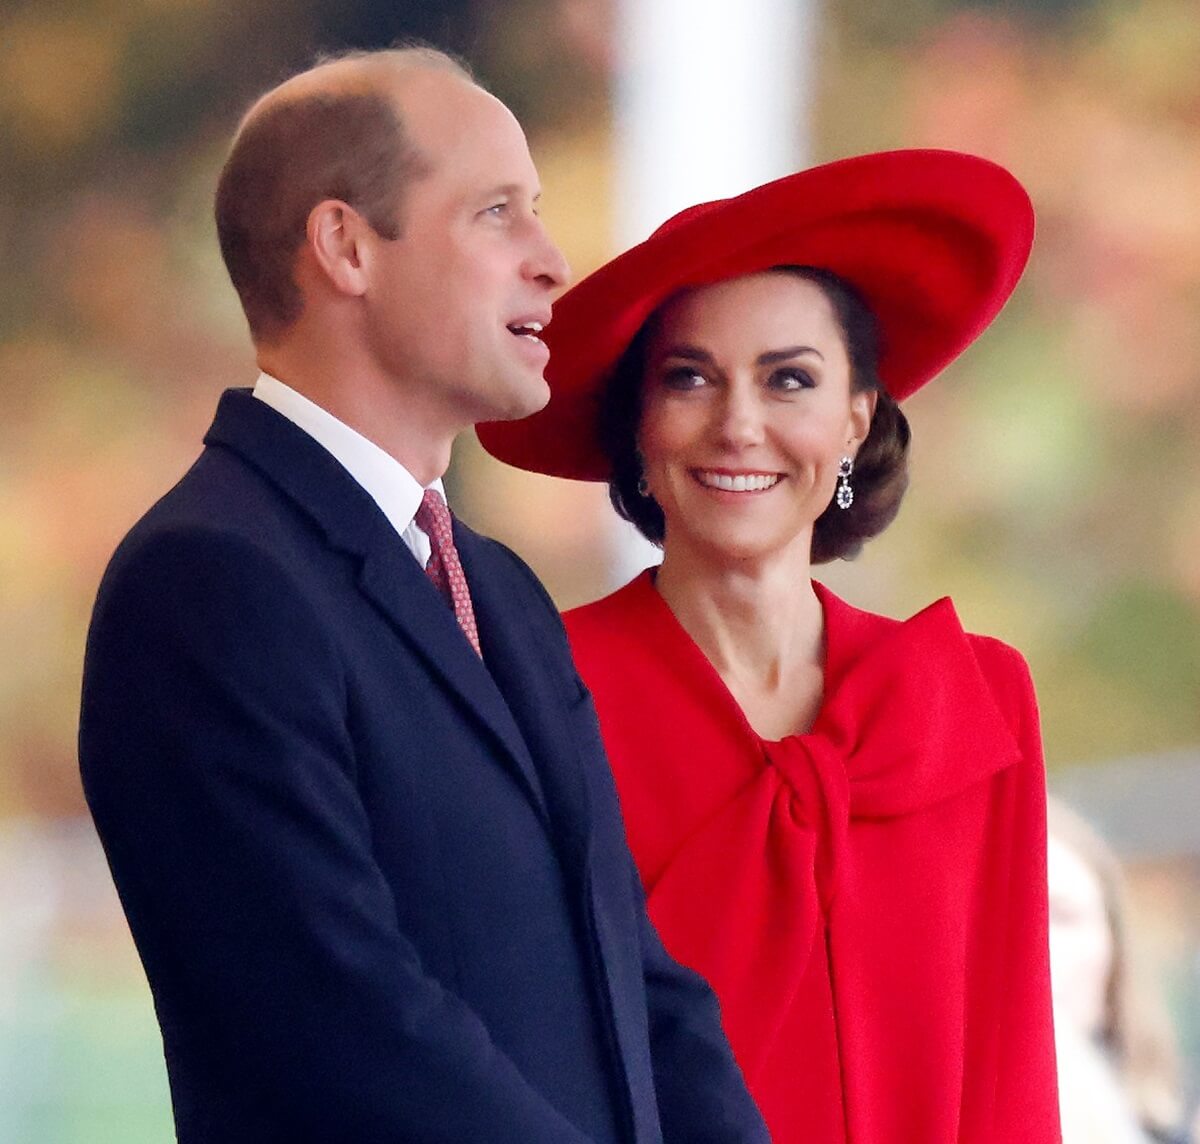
(845, 491)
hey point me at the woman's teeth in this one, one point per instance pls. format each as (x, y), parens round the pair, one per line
(741, 483)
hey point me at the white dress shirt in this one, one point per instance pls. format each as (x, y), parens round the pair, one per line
(390, 485)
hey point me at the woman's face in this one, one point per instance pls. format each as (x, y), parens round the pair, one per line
(746, 412)
(1081, 942)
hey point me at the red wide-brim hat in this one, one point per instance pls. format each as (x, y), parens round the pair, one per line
(934, 240)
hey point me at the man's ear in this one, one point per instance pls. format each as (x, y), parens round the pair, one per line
(336, 237)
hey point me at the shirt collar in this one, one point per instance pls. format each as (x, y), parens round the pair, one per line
(390, 485)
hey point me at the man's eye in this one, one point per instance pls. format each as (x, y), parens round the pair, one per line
(684, 379)
(790, 380)
(497, 210)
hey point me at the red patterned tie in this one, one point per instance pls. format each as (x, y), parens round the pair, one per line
(444, 567)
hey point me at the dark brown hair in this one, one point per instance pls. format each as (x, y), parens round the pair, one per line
(880, 467)
(292, 154)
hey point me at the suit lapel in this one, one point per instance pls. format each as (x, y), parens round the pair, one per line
(389, 576)
(518, 634)
(397, 586)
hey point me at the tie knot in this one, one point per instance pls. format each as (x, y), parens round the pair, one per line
(433, 517)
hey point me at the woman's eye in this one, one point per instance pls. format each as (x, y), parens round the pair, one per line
(683, 379)
(790, 380)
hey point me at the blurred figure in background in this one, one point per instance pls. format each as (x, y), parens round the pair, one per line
(1118, 1069)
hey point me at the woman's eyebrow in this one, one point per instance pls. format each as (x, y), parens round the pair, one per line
(689, 353)
(773, 356)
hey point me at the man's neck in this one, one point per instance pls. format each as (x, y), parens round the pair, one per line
(403, 426)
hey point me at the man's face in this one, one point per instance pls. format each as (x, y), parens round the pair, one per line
(456, 304)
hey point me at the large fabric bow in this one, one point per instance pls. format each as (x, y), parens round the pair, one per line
(911, 722)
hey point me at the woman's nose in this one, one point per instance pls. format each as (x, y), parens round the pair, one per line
(739, 422)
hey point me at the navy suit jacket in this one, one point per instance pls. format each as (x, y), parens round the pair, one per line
(380, 888)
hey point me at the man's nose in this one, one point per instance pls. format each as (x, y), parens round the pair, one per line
(546, 263)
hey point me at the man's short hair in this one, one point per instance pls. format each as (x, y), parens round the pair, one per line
(293, 153)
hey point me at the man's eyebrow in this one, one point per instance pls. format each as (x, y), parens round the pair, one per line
(510, 189)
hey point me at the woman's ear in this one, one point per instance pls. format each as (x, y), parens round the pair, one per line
(862, 410)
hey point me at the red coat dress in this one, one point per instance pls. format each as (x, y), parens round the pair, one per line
(867, 899)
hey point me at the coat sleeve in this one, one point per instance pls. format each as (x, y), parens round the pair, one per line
(702, 1095)
(1025, 1108)
(219, 770)
(700, 1091)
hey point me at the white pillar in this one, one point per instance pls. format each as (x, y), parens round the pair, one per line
(712, 98)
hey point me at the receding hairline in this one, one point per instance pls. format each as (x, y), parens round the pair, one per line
(337, 131)
(354, 74)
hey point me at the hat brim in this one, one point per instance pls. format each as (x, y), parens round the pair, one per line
(934, 240)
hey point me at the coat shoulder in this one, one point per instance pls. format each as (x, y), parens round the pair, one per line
(1009, 678)
(1003, 668)
(503, 563)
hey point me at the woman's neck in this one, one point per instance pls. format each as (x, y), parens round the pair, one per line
(761, 626)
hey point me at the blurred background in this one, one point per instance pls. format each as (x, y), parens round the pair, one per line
(1056, 469)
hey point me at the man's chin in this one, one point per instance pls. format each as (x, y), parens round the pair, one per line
(524, 400)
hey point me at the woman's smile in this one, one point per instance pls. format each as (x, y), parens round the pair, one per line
(735, 481)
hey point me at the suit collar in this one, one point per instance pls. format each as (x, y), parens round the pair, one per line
(391, 486)
(321, 488)
(293, 461)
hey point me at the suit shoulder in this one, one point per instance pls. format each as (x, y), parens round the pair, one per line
(503, 560)
(515, 589)
(205, 603)
(218, 508)
(170, 540)
(175, 571)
